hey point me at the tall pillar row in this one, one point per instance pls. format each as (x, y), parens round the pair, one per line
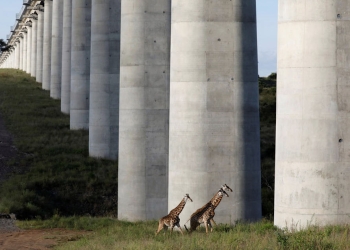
(39, 46)
(104, 79)
(66, 56)
(80, 64)
(169, 88)
(47, 38)
(56, 49)
(144, 109)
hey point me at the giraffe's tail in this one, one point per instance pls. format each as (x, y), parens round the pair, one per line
(186, 228)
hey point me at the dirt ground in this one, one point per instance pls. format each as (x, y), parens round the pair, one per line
(37, 239)
(11, 237)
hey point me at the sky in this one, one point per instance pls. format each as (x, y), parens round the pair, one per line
(266, 22)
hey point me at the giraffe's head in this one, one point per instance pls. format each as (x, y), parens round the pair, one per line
(223, 192)
(187, 197)
(226, 188)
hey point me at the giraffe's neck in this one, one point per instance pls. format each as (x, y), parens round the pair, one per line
(176, 211)
(215, 201)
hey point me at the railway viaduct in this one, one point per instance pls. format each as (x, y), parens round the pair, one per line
(169, 89)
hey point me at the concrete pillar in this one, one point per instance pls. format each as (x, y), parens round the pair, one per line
(14, 55)
(214, 132)
(66, 56)
(104, 79)
(20, 52)
(11, 60)
(312, 178)
(25, 37)
(56, 49)
(47, 45)
(12, 64)
(39, 47)
(8, 61)
(80, 64)
(29, 47)
(144, 109)
(33, 49)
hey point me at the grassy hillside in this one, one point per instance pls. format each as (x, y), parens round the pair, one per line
(56, 174)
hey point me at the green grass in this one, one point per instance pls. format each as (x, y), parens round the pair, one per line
(55, 173)
(108, 233)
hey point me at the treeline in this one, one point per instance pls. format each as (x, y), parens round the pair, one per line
(267, 90)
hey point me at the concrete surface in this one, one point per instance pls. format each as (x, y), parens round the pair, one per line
(33, 49)
(39, 47)
(56, 49)
(47, 45)
(312, 131)
(66, 56)
(21, 52)
(80, 64)
(104, 79)
(144, 110)
(25, 37)
(29, 49)
(214, 132)
(17, 53)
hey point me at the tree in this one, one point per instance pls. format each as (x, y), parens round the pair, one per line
(2, 43)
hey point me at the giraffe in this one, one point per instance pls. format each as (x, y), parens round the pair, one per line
(206, 213)
(172, 219)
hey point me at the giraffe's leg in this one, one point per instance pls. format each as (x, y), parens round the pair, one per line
(160, 227)
(178, 225)
(206, 225)
(212, 220)
(194, 224)
(169, 226)
(211, 227)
